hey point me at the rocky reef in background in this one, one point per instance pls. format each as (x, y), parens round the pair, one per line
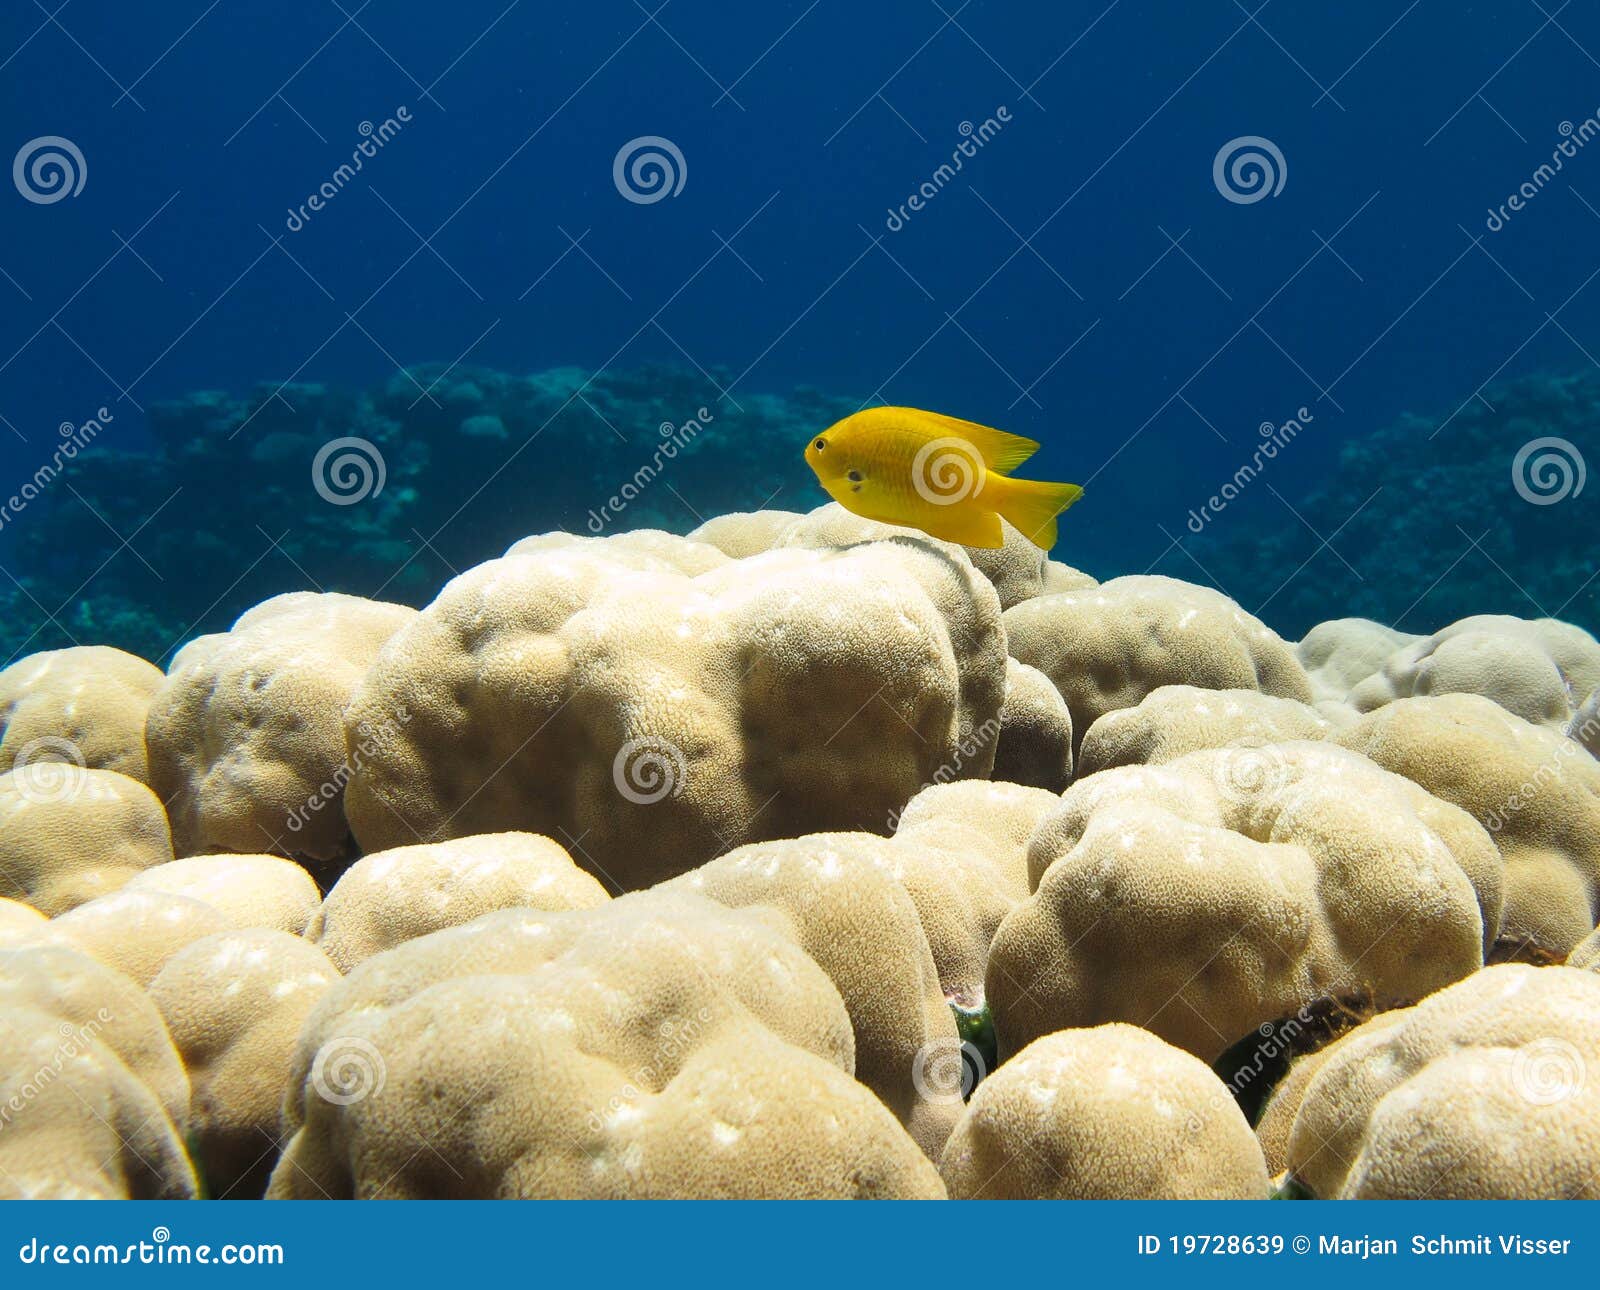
(388, 491)
(1404, 506)
(232, 504)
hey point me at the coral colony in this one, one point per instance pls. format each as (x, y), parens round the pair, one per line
(799, 855)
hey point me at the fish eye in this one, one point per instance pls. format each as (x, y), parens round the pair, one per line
(854, 477)
(821, 444)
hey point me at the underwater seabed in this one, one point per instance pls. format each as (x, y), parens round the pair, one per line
(801, 857)
(426, 473)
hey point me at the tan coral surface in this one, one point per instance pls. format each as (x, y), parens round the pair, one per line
(1229, 888)
(1110, 1113)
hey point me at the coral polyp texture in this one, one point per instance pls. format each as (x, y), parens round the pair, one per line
(85, 704)
(1539, 670)
(1109, 1113)
(393, 896)
(247, 742)
(658, 719)
(790, 855)
(233, 1003)
(1178, 719)
(68, 835)
(1232, 888)
(1534, 789)
(1480, 1092)
(1107, 647)
(97, 1099)
(661, 1045)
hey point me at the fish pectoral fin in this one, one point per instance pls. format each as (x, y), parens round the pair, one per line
(1001, 452)
(1031, 506)
(965, 524)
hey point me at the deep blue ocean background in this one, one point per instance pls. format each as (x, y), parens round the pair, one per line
(1082, 280)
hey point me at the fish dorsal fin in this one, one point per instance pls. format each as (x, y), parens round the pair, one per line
(1001, 452)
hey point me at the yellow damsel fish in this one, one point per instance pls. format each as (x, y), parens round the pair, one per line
(939, 474)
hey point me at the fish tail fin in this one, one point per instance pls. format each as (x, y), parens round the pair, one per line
(1031, 506)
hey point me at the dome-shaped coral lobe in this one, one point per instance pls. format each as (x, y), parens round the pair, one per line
(661, 1045)
(841, 900)
(1539, 669)
(1035, 741)
(93, 1098)
(68, 835)
(1282, 1104)
(1017, 568)
(248, 891)
(961, 851)
(393, 896)
(233, 1004)
(19, 923)
(1341, 652)
(651, 720)
(647, 550)
(1109, 1113)
(1483, 1091)
(246, 738)
(88, 700)
(110, 1006)
(1107, 647)
(743, 533)
(1177, 719)
(1534, 789)
(901, 926)
(1230, 888)
(1063, 577)
(136, 932)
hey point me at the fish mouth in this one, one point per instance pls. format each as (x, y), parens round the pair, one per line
(855, 488)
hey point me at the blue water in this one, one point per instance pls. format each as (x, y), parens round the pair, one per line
(1039, 289)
